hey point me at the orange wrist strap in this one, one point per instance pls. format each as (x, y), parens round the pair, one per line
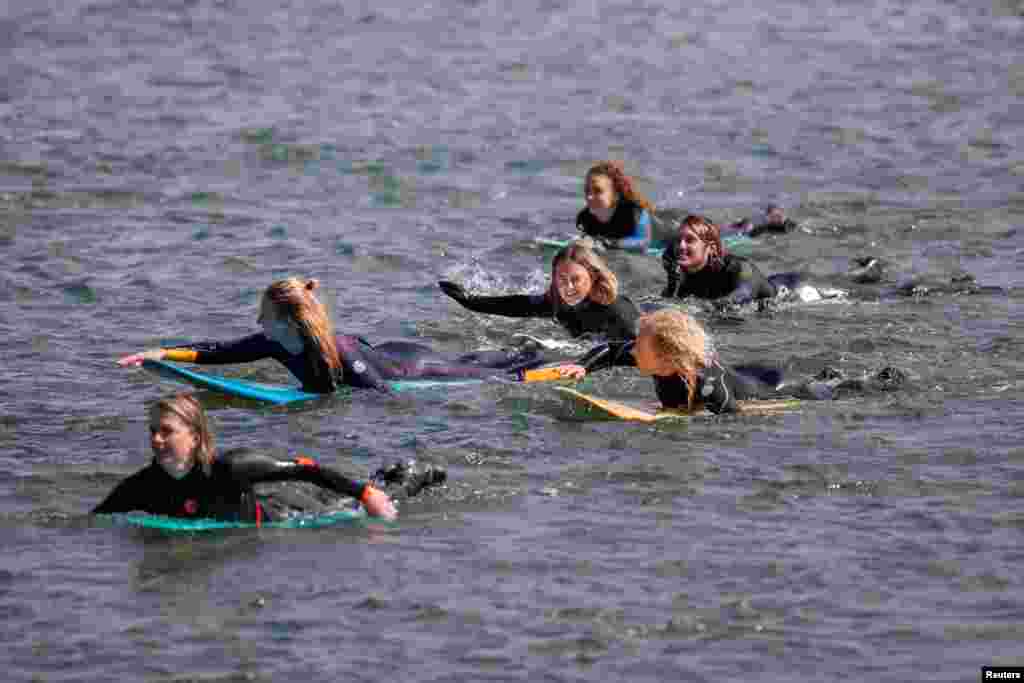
(185, 355)
(367, 492)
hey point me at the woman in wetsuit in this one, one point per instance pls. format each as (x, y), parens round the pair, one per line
(698, 265)
(297, 332)
(616, 215)
(583, 297)
(673, 348)
(187, 479)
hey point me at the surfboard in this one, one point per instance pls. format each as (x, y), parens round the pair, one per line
(596, 408)
(278, 394)
(163, 523)
(739, 244)
(258, 391)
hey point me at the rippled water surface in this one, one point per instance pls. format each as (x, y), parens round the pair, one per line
(161, 163)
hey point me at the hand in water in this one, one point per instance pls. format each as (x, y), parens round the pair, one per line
(136, 359)
(453, 290)
(378, 504)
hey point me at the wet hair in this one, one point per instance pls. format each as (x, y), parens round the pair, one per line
(187, 408)
(294, 299)
(604, 288)
(622, 183)
(680, 341)
(710, 235)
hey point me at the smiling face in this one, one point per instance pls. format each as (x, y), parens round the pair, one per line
(572, 281)
(173, 443)
(693, 251)
(601, 196)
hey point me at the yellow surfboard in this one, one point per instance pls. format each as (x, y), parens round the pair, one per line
(604, 409)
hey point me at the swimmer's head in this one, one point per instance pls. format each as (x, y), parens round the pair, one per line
(292, 303)
(180, 435)
(700, 245)
(605, 184)
(670, 342)
(578, 273)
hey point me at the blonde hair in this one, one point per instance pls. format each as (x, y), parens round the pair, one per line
(189, 410)
(615, 171)
(605, 285)
(679, 341)
(293, 299)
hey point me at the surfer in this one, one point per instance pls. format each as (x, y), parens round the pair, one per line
(674, 349)
(617, 215)
(772, 222)
(583, 297)
(298, 333)
(698, 265)
(186, 477)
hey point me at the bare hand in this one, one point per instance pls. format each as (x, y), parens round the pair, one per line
(135, 359)
(378, 504)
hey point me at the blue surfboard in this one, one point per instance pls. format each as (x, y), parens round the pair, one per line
(272, 393)
(163, 523)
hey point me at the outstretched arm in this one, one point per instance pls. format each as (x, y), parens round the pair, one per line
(244, 350)
(512, 305)
(255, 467)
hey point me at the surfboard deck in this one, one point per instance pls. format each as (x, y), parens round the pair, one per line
(739, 244)
(163, 523)
(258, 391)
(605, 409)
(279, 394)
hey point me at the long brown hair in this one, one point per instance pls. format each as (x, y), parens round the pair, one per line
(622, 183)
(294, 299)
(681, 342)
(190, 411)
(604, 288)
(710, 235)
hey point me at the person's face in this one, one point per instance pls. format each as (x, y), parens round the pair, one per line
(279, 329)
(173, 443)
(600, 194)
(648, 360)
(693, 251)
(573, 282)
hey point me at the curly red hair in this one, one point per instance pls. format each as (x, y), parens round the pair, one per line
(623, 184)
(710, 235)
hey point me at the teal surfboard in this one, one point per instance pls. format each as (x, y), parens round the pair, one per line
(739, 244)
(272, 393)
(310, 521)
(258, 391)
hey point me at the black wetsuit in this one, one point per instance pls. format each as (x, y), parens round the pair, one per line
(718, 387)
(773, 228)
(628, 228)
(617, 320)
(226, 492)
(738, 279)
(365, 365)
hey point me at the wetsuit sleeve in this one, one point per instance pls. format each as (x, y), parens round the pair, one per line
(252, 468)
(128, 495)
(612, 354)
(512, 306)
(717, 390)
(359, 368)
(244, 350)
(670, 262)
(750, 284)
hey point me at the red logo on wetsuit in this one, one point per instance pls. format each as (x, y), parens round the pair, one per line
(190, 506)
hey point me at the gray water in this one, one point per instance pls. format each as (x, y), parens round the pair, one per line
(163, 162)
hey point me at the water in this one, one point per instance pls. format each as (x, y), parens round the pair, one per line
(162, 163)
